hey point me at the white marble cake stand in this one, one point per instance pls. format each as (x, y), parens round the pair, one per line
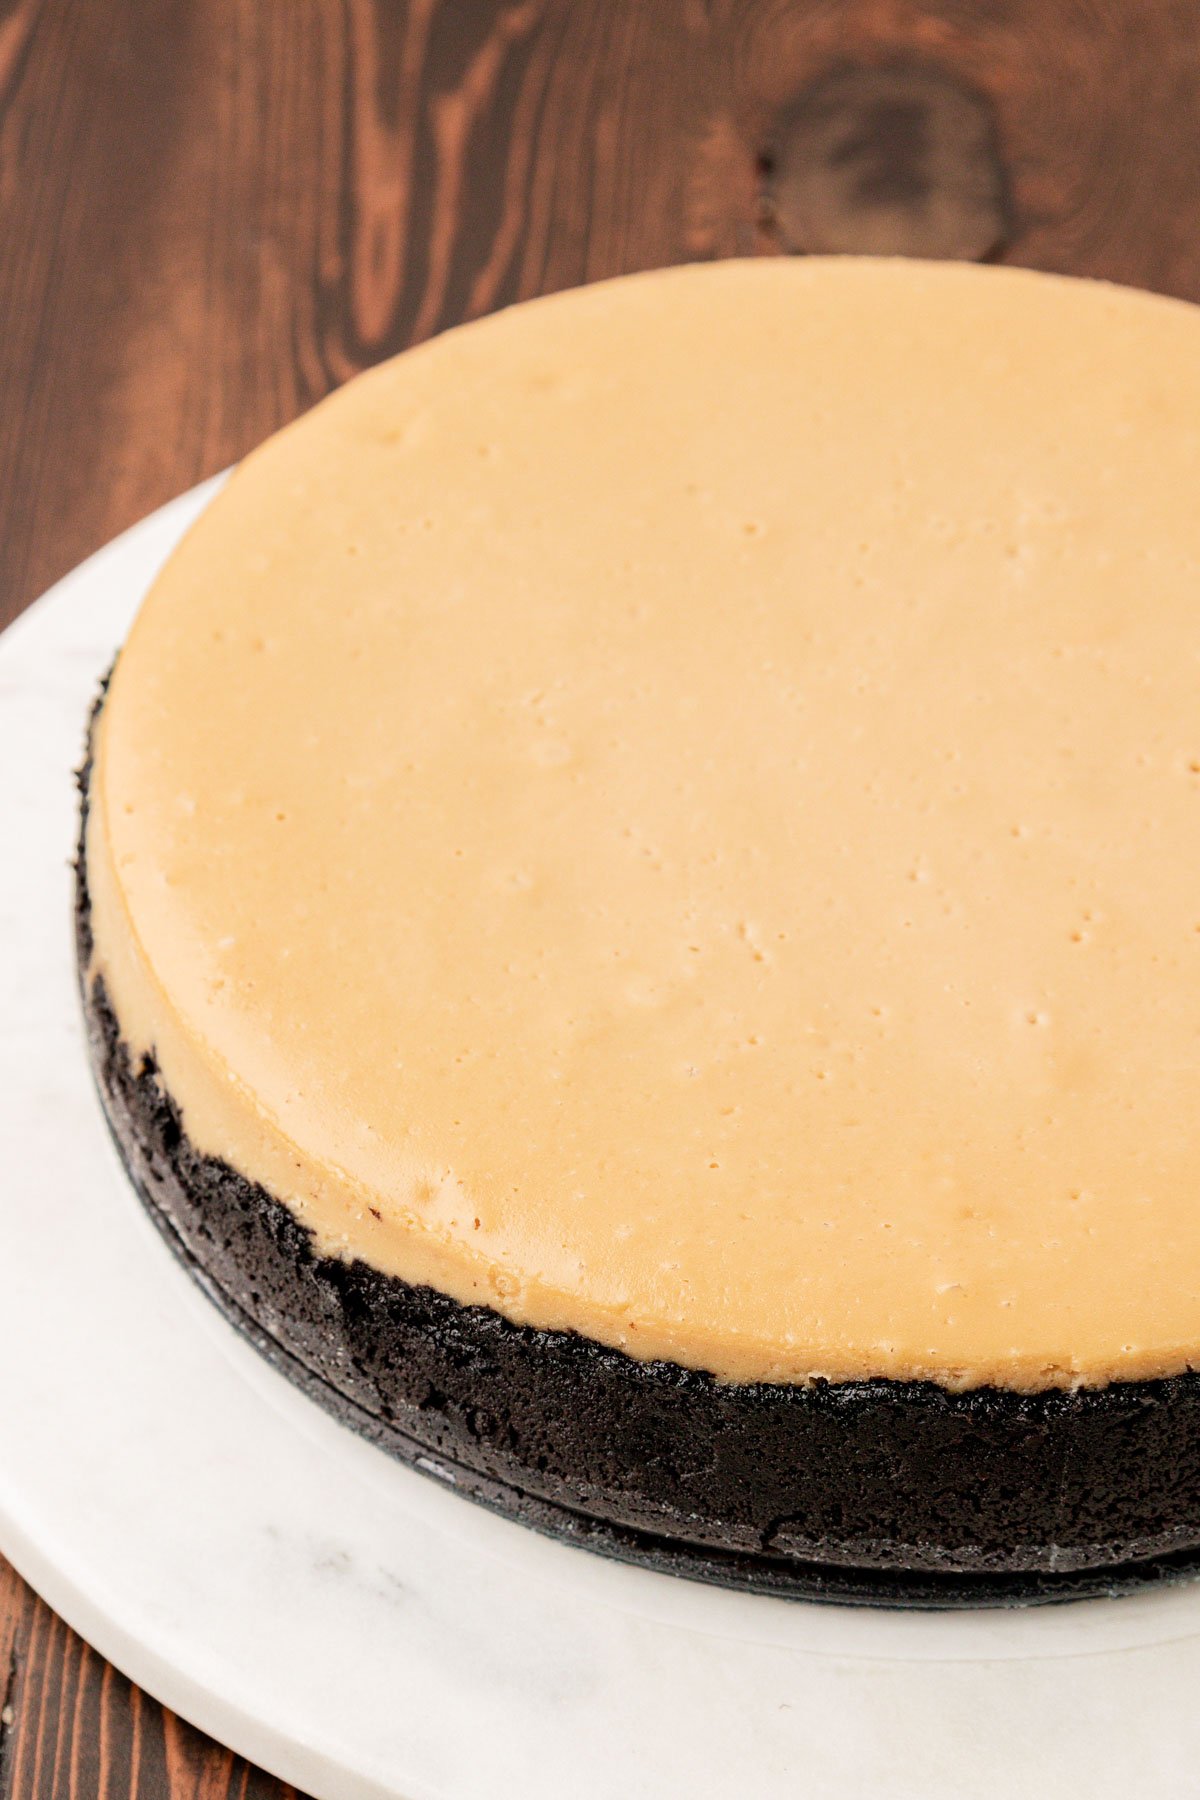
(358, 1629)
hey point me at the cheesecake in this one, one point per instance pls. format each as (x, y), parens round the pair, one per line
(639, 917)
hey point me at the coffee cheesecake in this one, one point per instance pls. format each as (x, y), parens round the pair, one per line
(639, 917)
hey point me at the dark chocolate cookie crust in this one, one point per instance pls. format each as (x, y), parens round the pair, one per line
(895, 1492)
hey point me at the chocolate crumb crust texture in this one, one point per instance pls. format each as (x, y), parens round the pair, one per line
(895, 1492)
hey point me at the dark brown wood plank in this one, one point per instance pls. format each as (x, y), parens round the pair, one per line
(71, 1728)
(213, 211)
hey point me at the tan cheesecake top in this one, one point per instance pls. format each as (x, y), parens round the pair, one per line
(675, 812)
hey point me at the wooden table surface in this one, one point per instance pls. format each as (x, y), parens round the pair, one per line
(213, 212)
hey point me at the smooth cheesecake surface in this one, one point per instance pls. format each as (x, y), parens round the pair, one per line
(674, 812)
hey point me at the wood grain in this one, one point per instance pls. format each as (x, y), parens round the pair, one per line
(212, 211)
(71, 1728)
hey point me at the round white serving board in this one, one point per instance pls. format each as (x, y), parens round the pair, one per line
(356, 1628)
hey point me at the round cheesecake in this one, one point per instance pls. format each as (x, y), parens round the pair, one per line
(639, 914)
